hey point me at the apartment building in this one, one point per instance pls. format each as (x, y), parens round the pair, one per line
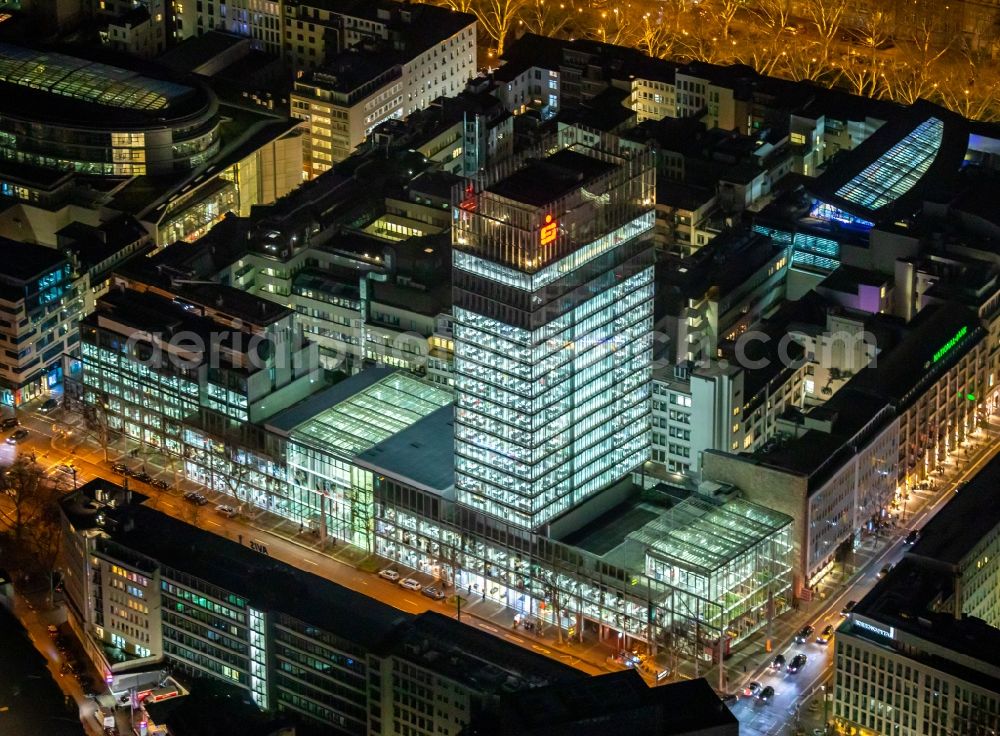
(417, 54)
(41, 299)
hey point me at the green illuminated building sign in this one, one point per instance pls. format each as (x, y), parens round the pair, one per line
(944, 349)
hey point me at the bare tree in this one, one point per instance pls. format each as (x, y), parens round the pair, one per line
(657, 39)
(864, 70)
(827, 17)
(497, 18)
(29, 505)
(459, 6)
(918, 71)
(549, 17)
(724, 12)
(614, 27)
(774, 15)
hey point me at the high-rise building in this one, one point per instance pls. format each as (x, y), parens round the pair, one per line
(553, 310)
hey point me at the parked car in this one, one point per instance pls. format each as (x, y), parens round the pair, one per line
(195, 497)
(846, 610)
(227, 511)
(797, 663)
(825, 635)
(730, 699)
(389, 574)
(161, 484)
(65, 468)
(778, 663)
(410, 584)
(9, 423)
(48, 405)
(804, 633)
(121, 469)
(432, 592)
(18, 436)
(53, 630)
(765, 695)
(143, 477)
(751, 689)
(911, 538)
(885, 570)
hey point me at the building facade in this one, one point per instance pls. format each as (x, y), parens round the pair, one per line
(562, 341)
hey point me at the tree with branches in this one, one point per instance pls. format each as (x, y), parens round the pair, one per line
(549, 17)
(498, 18)
(827, 18)
(28, 507)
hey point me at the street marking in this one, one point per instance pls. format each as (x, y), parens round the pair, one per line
(489, 628)
(310, 561)
(514, 638)
(213, 523)
(407, 600)
(543, 650)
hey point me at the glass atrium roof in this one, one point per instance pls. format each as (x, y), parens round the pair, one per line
(702, 536)
(84, 80)
(372, 415)
(895, 172)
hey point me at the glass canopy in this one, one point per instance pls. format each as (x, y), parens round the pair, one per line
(372, 415)
(895, 172)
(84, 80)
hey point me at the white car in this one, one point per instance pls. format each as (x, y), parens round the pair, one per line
(410, 584)
(389, 574)
(226, 510)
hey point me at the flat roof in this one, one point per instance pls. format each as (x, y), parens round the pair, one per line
(545, 180)
(968, 517)
(25, 261)
(423, 454)
(699, 534)
(285, 421)
(618, 702)
(363, 413)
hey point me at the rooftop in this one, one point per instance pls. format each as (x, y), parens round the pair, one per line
(23, 262)
(423, 454)
(545, 180)
(463, 653)
(362, 411)
(619, 702)
(704, 535)
(970, 516)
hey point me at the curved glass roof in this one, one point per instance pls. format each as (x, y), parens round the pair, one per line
(894, 173)
(84, 80)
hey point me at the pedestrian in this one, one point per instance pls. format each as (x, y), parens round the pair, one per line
(744, 668)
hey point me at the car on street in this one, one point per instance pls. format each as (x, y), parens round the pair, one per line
(846, 610)
(797, 663)
(730, 699)
(885, 570)
(751, 689)
(48, 405)
(434, 593)
(227, 511)
(765, 695)
(121, 469)
(389, 574)
(143, 477)
(18, 436)
(778, 663)
(825, 635)
(410, 584)
(195, 497)
(161, 484)
(804, 633)
(9, 423)
(911, 538)
(53, 630)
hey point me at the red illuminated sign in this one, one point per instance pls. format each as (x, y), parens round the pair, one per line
(548, 234)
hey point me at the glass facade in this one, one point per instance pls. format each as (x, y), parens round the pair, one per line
(895, 172)
(553, 340)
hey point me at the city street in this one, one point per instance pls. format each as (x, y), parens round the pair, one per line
(797, 699)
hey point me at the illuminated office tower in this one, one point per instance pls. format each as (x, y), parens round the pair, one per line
(553, 317)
